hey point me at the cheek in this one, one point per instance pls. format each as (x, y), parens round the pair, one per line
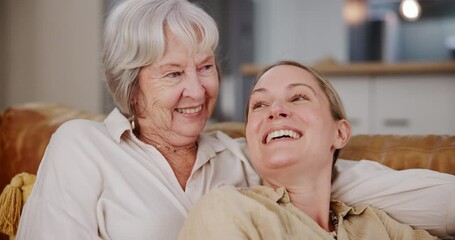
(310, 116)
(255, 152)
(161, 97)
(249, 127)
(253, 133)
(211, 87)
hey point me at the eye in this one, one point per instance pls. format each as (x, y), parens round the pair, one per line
(173, 75)
(206, 69)
(299, 97)
(257, 105)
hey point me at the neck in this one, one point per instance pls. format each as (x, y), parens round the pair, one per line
(310, 194)
(315, 202)
(181, 158)
(181, 164)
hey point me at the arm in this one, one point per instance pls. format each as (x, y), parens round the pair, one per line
(398, 230)
(424, 199)
(63, 201)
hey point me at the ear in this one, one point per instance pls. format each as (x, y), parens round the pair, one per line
(343, 134)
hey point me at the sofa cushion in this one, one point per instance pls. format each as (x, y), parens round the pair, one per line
(25, 131)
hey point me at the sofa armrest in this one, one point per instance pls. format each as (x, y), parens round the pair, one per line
(25, 131)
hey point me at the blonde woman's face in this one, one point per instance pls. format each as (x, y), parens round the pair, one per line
(177, 94)
(289, 123)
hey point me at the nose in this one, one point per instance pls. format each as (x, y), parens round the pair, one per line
(278, 110)
(194, 88)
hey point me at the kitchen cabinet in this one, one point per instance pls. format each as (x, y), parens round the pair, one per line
(399, 104)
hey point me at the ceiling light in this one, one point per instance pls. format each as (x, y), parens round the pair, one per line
(410, 9)
(355, 12)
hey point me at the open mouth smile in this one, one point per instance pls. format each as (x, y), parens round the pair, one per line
(189, 110)
(283, 133)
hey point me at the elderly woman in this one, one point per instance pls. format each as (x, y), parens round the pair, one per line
(137, 174)
(295, 127)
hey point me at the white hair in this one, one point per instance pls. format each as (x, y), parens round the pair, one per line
(135, 37)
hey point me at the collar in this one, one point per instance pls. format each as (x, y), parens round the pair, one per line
(209, 144)
(342, 210)
(281, 196)
(117, 124)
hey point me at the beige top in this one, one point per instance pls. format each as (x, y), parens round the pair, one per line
(264, 213)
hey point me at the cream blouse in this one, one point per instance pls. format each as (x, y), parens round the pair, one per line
(98, 181)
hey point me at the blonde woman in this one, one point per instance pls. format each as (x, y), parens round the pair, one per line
(295, 128)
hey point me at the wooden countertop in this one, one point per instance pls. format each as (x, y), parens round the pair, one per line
(370, 68)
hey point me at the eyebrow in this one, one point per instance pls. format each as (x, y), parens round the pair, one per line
(174, 64)
(290, 86)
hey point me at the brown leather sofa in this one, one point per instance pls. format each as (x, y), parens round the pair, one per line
(25, 131)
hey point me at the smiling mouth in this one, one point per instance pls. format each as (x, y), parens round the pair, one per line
(278, 134)
(189, 110)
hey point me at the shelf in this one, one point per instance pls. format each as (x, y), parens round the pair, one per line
(371, 68)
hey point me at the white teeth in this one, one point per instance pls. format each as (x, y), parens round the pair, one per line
(189, 110)
(281, 133)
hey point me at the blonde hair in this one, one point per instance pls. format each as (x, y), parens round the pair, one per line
(135, 37)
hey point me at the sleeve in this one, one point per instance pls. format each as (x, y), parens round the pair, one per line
(62, 204)
(398, 230)
(423, 199)
(214, 217)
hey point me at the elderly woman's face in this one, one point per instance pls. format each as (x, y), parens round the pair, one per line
(289, 122)
(178, 93)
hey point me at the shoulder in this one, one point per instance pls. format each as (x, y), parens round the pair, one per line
(76, 143)
(222, 198)
(246, 198)
(80, 129)
(230, 153)
(80, 126)
(220, 141)
(222, 193)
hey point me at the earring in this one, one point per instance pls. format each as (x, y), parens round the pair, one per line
(133, 124)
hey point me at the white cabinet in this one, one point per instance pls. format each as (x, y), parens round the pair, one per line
(417, 104)
(398, 104)
(354, 93)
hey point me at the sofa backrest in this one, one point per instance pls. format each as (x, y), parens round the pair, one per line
(435, 152)
(25, 131)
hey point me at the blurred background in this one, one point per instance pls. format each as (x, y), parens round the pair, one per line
(391, 60)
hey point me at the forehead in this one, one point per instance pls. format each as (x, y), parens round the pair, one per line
(174, 40)
(284, 75)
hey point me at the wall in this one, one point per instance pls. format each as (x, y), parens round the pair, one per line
(3, 56)
(52, 52)
(425, 40)
(308, 31)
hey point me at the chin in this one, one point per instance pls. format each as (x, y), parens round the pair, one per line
(277, 161)
(194, 128)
